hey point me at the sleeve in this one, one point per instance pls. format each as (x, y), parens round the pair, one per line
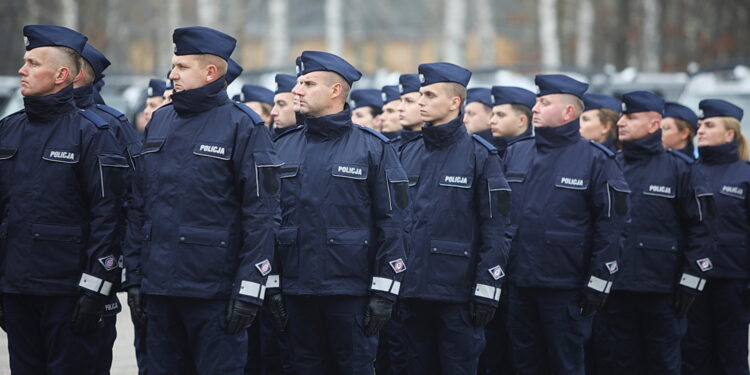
(493, 203)
(390, 202)
(697, 212)
(134, 234)
(102, 176)
(610, 213)
(257, 166)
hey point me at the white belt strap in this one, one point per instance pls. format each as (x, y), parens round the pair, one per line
(600, 285)
(487, 291)
(95, 284)
(252, 289)
(272, 281)
(385, 285)
(692, 282)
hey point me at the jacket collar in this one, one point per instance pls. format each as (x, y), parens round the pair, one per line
(48, 107)
(643, 148)
(436, 137)
(329, 126)
(557, 136)
(721, 154)
(84, 96)
(201, 99)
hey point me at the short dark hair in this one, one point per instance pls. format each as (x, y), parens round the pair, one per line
(374, 111)
(456, 89)
(521, 109)
(70, 59)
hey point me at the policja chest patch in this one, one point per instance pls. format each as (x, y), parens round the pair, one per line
(398, 265)
(264, 267)
(109, 263)
(497, 272)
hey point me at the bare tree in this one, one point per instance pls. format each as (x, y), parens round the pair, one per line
(651, 35)
(486, 32)
(585, 30)
(334, 27)
(278, 33)
(548, 35)
(454, 20)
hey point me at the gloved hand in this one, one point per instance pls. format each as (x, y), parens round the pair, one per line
(137, 303)
(278, 310)
(481, 314)
(240, 316)
(377, 314)
(591, 301)
(87, 313)
(683, 299)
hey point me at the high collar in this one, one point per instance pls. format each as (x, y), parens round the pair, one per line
(48, 107)
(201, 99)
(84, 96)
(558, 136)
(721, 154)
(408, 135)
(329, 126)
(486, 134)
(689, 150)
(436, 137)
(643, 148)
(391, 135)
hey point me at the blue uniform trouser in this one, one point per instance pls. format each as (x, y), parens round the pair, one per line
(41, 340)
(495, 359)
(440, 337)
(188, 335)
(547, 331)
(645, 333)
(716, 339)
(268, 350)
(391, 358)
(139, 342)
(598, 357)
(107, 337)
(327, 335)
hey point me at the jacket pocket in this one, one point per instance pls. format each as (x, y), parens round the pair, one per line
(565, 254)
(348, 255)
(58, 250)
(449, 263)
(204, 255)
(657, 260)
(287, 251)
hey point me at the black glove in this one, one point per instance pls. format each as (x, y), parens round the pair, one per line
(683, 299)
(87, 313)
(377, 314)
(278, 311)
(481, 314)
(137, 303)
(240, 316)
(591, 301)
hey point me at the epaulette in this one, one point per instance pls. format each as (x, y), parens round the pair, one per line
(520, 139)
(289, 131)
(249, 112)
(95, 119)
(373, 132)
(489, 146)
(602, 147)
(18, 112)
(680, 155)
(113, 112)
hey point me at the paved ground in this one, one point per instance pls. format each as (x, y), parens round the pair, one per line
(123, 362)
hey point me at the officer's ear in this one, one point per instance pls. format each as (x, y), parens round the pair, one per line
(212, 72)
(64, 76)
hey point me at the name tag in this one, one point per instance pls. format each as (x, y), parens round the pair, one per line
(61, 156)
(571, 183)
(353, 171)
(212, 150)
(659, 191)
(733, 191)
(458, 181)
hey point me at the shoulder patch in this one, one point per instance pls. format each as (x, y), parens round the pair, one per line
(681, 156)
(113, 112)
(288, 131)
(249, 112)
(602, 147)
(489, 146)
(373, 132)
(95, 119)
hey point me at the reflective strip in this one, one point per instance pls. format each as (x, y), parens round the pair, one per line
(600, 285)
(498, 291)
(382, 284)
(692, 282)
(272, 281)
(698, 202)
(95, 284)
(251, 289)
(396, 287)
(485, 291)
(262, 291)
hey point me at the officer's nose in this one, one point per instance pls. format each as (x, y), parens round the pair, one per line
(621, 121)
(22, 70)
(535, 108)
(173, 76)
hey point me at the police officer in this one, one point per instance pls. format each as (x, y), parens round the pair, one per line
(678, 128)
(367, 106)
(341, 243)
(599, 119)
(60, 199)
(457, 251)
(93, 64)
(569, 208)
(259, 99)
(408, 109)
(666, 254)
(478, 111)
(391, 99)
(716, 339)
(208, 186)
(511, 116)
(282, 113)
(154, 98)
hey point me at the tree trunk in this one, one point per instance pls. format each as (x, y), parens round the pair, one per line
(548, 35)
